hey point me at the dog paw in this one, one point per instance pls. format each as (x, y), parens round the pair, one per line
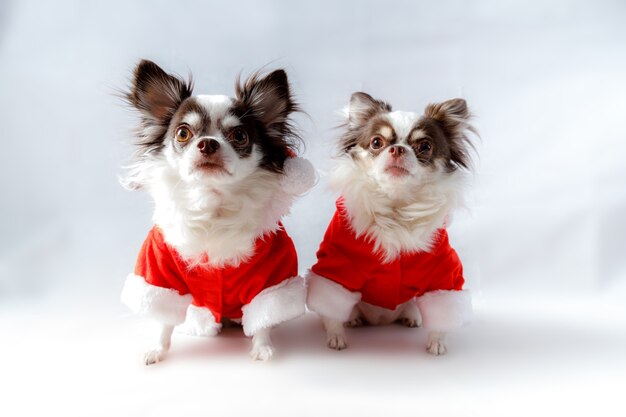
(357, 322)
(154, 356)
(262, 352)
(336, 342)
(408, 322)
(436, 347)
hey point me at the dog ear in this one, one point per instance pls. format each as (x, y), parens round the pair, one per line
(449, 110)
(362, 107)
(269, 99)
(453, 117)
(157, 94)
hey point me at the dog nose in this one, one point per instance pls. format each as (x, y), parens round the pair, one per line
(397, 151)
(208, 146)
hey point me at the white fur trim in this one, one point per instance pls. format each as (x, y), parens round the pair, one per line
(330, 299)
(162, 304)
(299, 175)
(445, 310)
(274, 305)
(199, 322)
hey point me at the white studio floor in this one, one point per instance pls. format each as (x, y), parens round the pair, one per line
(548, 357)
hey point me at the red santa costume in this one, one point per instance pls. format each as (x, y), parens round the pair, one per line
(348, 271)
(262, 291)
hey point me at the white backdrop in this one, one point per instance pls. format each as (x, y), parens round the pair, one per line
(545, 228)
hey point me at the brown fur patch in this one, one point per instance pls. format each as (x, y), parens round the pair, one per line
(156, 95)
(362, 120)
(264, 105)
(452, 117)
(435, 136)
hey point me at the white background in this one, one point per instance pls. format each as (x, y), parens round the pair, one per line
(543, 240)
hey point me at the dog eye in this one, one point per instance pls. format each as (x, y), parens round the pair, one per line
(239, 136)
(424, 148)
(183, 134)
(377, 142)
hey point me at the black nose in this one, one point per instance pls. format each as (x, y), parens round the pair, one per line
(397, 151)
(208, 146)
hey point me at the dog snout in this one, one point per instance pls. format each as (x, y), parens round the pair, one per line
(208, 146)
(397, 151)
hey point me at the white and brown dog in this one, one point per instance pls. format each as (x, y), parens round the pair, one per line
(222, 172)
(386, 256)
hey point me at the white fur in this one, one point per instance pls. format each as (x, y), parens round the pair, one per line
(274, 305)
(221, 215)
(200, 322)
(436, 344)
(402, 122)
(222, 221)
(339, 307)
(162, 304)
(399, 214)
(330, 299)
(164, 341)
(375, 315)
(262, 347)
(192, 119)
(335, 333)
(443, 311)
(396, 226)
(299, 176)
(217, 104)
(229, 121)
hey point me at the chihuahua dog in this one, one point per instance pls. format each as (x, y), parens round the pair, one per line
(222, 172)
(385, 256)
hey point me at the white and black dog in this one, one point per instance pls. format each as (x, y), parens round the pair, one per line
(222, 172)
(386, 256)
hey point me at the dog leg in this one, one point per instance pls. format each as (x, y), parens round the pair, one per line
(335, 334)
(355, 319)
(163, 345)
(262, 348)
(436, 343)
(410, 315)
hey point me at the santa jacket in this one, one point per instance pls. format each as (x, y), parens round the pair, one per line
(349, 270)
(262, 291)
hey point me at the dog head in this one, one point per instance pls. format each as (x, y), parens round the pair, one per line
(213, 139)
(403, 149)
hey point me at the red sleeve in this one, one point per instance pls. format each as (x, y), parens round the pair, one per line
(160, 265)
(340, 256)
(447, 272)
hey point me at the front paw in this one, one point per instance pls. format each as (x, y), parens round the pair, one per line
(408, 322)
(357, 322)
(336, 341)
(154, 356)
(436, 347)
(262, 352)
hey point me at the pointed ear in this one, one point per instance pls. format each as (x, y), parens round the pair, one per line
(155, 93)
(269, 98)
(455, 108)
(453, 117)
(362, 107)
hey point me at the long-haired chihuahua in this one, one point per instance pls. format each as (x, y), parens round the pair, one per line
(222, 172)
(386, 256)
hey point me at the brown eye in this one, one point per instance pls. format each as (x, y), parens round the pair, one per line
(377, 142)
(239, 136)
(424, 148)
(183, 134)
